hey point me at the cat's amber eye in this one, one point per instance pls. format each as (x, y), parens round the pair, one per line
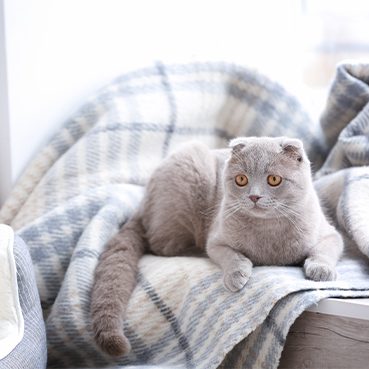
(241, 180)
(274, 180)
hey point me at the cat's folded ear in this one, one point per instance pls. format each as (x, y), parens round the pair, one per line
(293, 147)
(238, 143)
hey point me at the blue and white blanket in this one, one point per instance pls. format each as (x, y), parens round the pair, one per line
(90, 178)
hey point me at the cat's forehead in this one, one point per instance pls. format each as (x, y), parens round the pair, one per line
(262, 150)
(260, 157)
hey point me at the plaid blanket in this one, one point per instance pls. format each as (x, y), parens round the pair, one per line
(90, 178)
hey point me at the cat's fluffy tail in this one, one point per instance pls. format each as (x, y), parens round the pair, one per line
(115, 279)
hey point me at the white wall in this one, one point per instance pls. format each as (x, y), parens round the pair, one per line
(5, 165)
(57, 52)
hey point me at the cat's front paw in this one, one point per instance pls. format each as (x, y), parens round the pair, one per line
(319, 272)
(237, 275)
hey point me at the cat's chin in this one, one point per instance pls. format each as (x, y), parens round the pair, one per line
(258, 212)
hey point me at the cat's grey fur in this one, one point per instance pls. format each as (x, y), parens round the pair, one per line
(193, 206)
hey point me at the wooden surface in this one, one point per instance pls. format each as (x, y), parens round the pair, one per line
(322, 341)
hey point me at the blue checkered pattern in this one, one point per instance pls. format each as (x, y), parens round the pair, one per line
(90, 179)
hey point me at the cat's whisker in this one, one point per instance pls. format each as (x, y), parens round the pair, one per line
(286, 215)
(226, 209)
(234, 212)
(286, 212)
(211, 210)
(293, 212)
(231, 209)
(296, 218)
(276, 215)
(290, 212)
(292, 207)
(215, 208)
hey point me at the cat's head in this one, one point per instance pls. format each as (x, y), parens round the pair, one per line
(266, 177)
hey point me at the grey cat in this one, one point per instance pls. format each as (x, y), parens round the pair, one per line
(251, 204)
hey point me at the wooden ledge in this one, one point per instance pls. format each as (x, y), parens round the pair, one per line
(332, 334)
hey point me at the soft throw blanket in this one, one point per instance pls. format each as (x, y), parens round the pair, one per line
(89, 180)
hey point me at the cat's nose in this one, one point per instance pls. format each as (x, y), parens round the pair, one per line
(254, 198)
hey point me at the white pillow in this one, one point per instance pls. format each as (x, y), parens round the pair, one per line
(11, 318)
